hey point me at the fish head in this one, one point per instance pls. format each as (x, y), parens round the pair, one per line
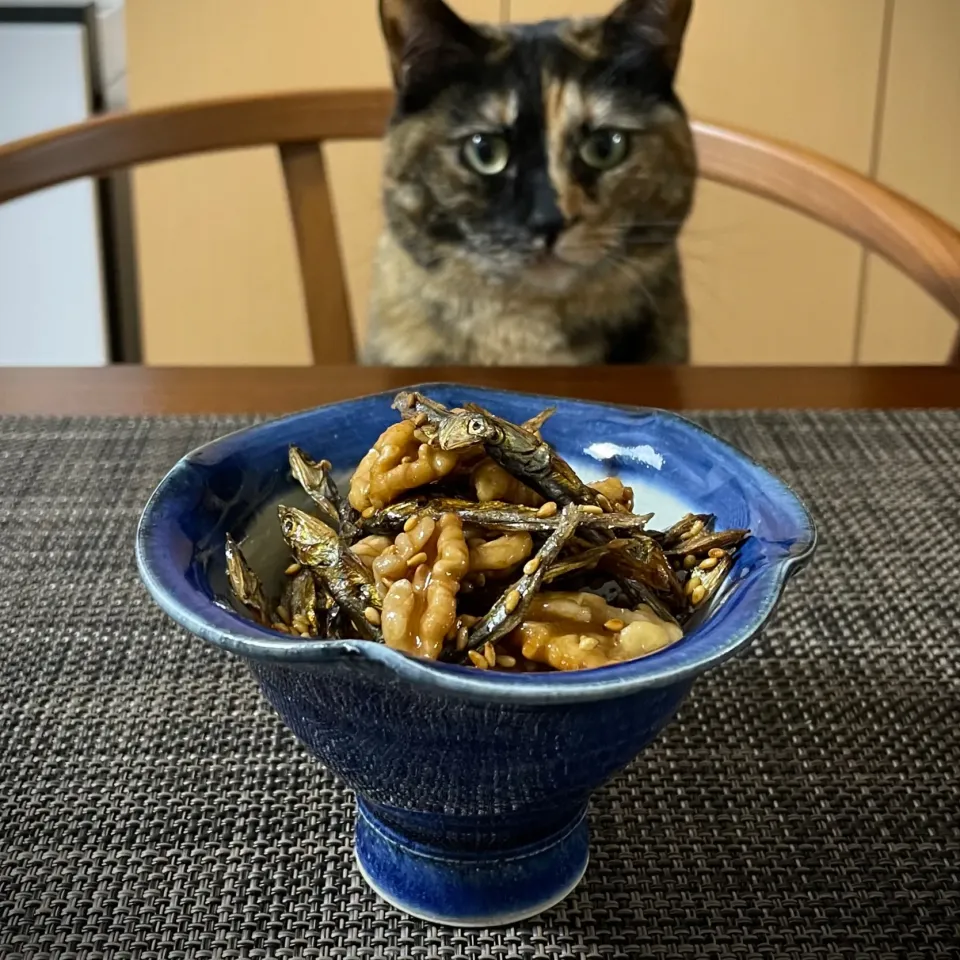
(310, 474)
(313, 541)
(465, 430)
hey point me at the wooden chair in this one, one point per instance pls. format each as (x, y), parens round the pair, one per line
(911, 238)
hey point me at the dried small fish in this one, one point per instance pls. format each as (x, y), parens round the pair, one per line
(300, 599)
(315, 478)
(246, 584)
(521, 453)
(316, 545)
(585, 561)
(492, 515)
(702, 543)
(534, 425)
(681, 530)
(508, 611)
(643, 560)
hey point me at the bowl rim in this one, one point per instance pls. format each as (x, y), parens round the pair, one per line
(231, 632)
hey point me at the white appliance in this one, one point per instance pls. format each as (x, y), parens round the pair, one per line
(54, 308)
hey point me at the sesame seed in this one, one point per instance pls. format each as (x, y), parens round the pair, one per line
(709, 564)
(512, 601)
(614, 626)
(292, 570)
(592, 510)
(504, 661)
(549, 509)
(717, 553)
(692, 585)
(372, 615)
(589, 643)
(490, 654)
(605, 504)
(697, 597)
(416, 560)
(283, 614)
(462, 638)
(410, 524)
(479, 660)
(531, 566)
(689, 561)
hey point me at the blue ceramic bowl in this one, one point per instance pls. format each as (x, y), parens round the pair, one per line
(472, 787)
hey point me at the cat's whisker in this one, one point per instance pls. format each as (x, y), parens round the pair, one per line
(632, 274)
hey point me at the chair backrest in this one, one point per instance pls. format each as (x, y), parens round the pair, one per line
(911, 238)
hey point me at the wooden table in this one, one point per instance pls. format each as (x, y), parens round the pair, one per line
(132, 390)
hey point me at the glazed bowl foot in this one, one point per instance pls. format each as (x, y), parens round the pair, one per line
(471, 890)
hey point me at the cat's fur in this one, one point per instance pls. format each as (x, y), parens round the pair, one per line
(550, 262)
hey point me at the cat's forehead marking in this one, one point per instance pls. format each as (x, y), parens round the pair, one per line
(567, 105)
(562, 100)
(500, 108)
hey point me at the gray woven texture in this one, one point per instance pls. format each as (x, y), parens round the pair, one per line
(804, 805)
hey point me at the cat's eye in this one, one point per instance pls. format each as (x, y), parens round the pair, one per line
(486, 153)
(605, 149)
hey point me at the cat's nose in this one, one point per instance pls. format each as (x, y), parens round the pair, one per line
(546, 218)
(548, 229)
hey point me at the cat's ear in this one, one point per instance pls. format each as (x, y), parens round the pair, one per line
(425, 38)
(660, 24)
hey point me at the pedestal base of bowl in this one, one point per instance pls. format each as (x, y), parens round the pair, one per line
(473, 890)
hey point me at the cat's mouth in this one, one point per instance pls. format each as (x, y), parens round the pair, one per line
(547, 270)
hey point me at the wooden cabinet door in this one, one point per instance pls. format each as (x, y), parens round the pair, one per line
(920, 156)
(766, 285)
(218, 274)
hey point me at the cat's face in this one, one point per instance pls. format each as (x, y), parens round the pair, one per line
(540, 153)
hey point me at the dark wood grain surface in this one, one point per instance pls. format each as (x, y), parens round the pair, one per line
(134, 390)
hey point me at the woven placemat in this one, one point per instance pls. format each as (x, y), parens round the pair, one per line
(804, 805)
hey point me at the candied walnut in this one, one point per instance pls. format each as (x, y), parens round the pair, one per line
(399, 461)
(369, 548)
(618, 496)
(580, 631)
(394, 563)
(491, 482)
(504, 553)
(420, 612)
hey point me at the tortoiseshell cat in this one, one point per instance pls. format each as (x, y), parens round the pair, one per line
(537, 178)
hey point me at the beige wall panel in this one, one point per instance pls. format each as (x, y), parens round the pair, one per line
(806, 71)
(219, 282)
(920, 156)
